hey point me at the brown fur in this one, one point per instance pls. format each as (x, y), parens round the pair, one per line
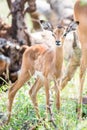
(80, 14)
(46, 60)
(4, 67)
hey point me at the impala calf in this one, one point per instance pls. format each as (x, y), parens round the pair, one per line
(47, 61)
(38, 83)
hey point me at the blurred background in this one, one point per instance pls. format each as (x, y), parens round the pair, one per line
(19, 26)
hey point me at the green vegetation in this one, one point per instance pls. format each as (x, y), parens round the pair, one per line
(23, 114)
(24, 117)
(83, 2)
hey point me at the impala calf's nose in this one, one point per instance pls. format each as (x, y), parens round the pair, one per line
(58, 43)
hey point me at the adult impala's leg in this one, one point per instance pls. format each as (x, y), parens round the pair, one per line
(23, 77)
(83, 67)
(33, 93)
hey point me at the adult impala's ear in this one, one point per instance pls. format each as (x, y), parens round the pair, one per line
(71, 27)
(46, 25)
(77, 22)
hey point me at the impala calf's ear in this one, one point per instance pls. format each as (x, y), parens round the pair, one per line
(71, 27)
(46, 25)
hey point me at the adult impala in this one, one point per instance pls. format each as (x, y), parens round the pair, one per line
(80, 15)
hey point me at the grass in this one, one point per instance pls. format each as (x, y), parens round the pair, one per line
(23, 114)
(24, 117)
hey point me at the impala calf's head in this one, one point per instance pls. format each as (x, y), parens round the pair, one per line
(57, 32)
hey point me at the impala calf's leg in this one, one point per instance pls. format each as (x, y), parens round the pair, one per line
(33, 93)
(46, 85)
(57, 94)
(23, 77)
